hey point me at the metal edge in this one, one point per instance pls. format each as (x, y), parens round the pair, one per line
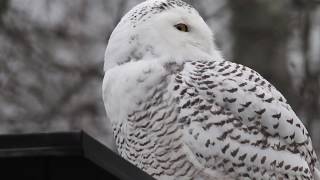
(110, 161)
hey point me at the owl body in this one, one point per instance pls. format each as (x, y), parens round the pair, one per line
(180, 111)
(205, 120)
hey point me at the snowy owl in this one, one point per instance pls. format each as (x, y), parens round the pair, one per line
(180, 111)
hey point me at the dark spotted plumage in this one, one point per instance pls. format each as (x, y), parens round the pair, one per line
(243, 97)
(177, 114)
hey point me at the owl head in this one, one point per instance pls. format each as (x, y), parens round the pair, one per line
(160, 30)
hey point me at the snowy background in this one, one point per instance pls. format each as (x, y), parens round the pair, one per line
(51, 57)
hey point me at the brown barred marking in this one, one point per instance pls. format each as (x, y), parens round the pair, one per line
(253, 157)
(273, 163)
(235, 152)
(280, 164)
(290, 121)
(247, 104)
(276, 126)
(225, 148)
(269, 100)
(243, 157)
(243, 84)
(225, 134)
(233, 90)
(231, 100)
(287, 167)
(261, 111)
(263, 159)
(277, 116)
(253, 89)
(261, 95)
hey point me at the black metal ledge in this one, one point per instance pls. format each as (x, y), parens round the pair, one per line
(59, 156)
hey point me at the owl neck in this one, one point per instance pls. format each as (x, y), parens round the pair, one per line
(133, 48)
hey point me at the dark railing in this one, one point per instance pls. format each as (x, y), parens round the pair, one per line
(62, 156)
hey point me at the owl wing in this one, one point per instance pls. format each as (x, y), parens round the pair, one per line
(236, 121)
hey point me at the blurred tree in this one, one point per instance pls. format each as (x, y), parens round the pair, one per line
(51, 66)
(261, 30)
(309, 88)
(3, 8)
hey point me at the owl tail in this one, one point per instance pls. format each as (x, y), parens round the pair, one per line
(316, 174)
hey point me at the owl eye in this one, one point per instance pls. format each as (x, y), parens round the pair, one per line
(182, 27)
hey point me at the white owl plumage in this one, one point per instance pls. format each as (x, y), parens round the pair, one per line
(180, 111)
